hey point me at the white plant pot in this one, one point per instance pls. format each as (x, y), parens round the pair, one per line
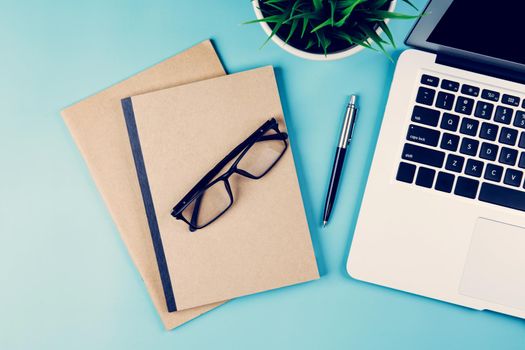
(308, 55)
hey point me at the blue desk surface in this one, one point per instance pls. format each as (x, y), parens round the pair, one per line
(66, 280)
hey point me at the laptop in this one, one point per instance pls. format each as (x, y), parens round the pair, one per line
(443, 214)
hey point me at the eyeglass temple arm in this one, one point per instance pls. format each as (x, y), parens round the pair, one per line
(217, 168)
(234, 153)
(281, 136)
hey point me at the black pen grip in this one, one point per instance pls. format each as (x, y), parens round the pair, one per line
(334, 182)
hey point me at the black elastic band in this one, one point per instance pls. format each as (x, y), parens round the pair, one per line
(129, 116)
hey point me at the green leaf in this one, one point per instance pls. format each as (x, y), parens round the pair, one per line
(345, 3)
(348, 9)
(347, 12)
(332, 11)
(371, 34)
(344, 36)
(381, 14)
(375, 38)
(292, 30)
(322, 25)
(354, 40)
(309, 15)
(318, 4)
(275, 29)
(294, 7)
(275, 6)
(305, 23)
(310, 43)
(388, 33)
(271, 19)
(323, 41)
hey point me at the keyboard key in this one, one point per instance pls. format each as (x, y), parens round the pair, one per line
(423, 135)
(464, 105)
(425, 96)
(423, 155)
(429, 80)
(490, 95)
(519, 119)
(484, 110)
(488, 151)
(493, 172)
(504, 196)
(466, 187)
(444, 182)
(445, 100)
(488, 131)
(521, 163)
(508, 136)
(474, 168)
(449, 122)
(523, 103)
(450, 142)
(521, 144)
(470, 90)
(406, 172)
(425, 116)
(449, 85)
(503, 114)
(454, 163)
(469, 146)
(469, 127)
(513, 177)
(425, 177)
(510, 100)
(508, 156)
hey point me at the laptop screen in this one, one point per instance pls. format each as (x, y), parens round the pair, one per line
(491, 29)
(484, 31)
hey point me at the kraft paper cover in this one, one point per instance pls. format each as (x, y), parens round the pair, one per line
(263, 241)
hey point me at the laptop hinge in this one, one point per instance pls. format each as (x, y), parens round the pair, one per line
(482, 68)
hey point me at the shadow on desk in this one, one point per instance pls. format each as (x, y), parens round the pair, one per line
(303, 181)
(363, 174)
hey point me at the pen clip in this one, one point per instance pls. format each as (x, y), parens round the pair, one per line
(352, 126)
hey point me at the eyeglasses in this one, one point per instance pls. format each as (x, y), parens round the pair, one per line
(212, 196)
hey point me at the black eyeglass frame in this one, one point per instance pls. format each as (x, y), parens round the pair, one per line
(208, 180)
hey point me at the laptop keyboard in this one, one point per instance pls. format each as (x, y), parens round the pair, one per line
(466, 140)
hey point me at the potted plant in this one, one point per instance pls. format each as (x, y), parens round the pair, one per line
(328, 29)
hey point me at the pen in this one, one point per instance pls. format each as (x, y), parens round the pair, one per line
(346, 135)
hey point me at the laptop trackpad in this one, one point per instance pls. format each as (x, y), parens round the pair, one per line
(495, 267)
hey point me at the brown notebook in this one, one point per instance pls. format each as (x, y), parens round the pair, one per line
(99, 131)
(262, 242)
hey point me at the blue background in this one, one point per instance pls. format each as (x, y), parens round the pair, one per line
(66, 280)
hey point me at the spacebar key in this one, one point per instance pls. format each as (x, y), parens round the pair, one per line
(423, 155)
(503, 196)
